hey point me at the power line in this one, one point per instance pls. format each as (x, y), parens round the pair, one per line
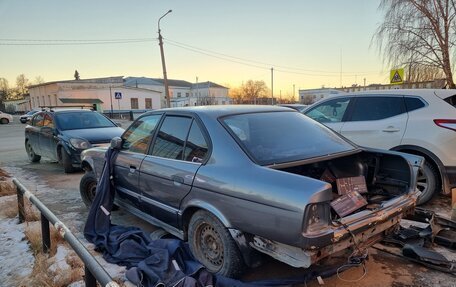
(70, 42)
(263, 63)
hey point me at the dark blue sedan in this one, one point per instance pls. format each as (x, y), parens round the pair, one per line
(62, 135)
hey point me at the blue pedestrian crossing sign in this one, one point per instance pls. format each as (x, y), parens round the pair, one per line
(117, 95)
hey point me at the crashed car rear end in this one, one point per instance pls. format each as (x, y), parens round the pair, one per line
(270, 179)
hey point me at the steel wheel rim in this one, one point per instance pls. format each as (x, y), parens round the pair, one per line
(209, 244)
(92, 190)
(30, 151)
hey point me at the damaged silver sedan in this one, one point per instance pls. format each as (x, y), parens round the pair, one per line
(235, 180)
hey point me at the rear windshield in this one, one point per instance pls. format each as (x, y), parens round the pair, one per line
(451, 100)
(278, 137)
(82, 120)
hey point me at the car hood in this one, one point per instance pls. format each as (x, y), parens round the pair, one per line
(98, 135)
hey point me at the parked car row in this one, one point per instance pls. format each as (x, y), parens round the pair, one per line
(232, 181)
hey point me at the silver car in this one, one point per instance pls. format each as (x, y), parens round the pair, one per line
(237, 180)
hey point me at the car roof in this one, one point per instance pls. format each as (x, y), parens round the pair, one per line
(441, 93)
(63, 110)
(224, 110)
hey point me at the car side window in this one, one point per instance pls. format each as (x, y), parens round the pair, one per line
(377, 108)
(413, 104)
(331, 111)
(196, 146)
(38, 120)
(48, 121)
(137, 137)
(171, 137)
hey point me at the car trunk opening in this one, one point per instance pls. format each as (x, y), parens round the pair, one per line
(361, 181)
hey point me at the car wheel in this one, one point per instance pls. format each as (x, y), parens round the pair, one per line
(33, 157)
(88, 187)
(427, 182)
(213, 246)
(66, 161)
(4, 121)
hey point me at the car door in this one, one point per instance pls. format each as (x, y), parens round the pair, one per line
(136, 140)
(33, 132)
(47, 139)
(376, 121)
(167, 173)
(331, 113)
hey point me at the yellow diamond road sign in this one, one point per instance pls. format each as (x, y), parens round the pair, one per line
(397, 76)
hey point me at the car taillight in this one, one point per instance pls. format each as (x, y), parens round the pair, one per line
(447, 124)
(317, 217)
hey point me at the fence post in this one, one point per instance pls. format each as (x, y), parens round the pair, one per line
(45, 233)
(131, 116)
(20, 205)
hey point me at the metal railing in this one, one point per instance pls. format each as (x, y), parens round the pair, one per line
(93, 270)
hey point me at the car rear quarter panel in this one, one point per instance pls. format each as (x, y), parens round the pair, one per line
(249, 197)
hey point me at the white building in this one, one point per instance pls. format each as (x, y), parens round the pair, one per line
(100, 93)
(183, 93)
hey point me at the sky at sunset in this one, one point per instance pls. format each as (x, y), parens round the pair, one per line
(307, 43)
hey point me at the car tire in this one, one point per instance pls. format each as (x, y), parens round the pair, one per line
(427, 183)
(66, 161)
(87, 187)
(32, 156)
(4, 121)
(213, 246)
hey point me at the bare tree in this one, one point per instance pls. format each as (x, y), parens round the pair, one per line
(4, 91)
(21, 85)
(38, 80)
(237, 95)
(252, 90)
(418, 32)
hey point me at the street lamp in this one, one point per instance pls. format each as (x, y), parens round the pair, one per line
(165, 78)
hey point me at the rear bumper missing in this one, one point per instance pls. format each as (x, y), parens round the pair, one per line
(359, 230)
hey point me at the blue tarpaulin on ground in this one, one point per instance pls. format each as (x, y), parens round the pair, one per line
(163, 262)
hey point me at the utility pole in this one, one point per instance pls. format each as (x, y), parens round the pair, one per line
(294, 93)
(110, 98)
(272, 85)
(165, 77)
(197, 92)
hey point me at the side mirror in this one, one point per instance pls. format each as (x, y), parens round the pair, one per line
(116, 143)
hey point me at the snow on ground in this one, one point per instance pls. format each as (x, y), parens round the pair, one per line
(15, 255)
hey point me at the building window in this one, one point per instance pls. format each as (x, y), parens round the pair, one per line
(134, 103)
(44, 103)
(38, 100)
(148, 103)
(179, 94)
(187, 94)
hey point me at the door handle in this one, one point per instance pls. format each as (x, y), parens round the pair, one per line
(391, 129)
(132, 169)
(177, 179)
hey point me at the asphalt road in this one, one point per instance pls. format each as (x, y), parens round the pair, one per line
(60, 192)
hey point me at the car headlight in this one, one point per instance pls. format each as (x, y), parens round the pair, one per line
(80, 143)
(316, 217)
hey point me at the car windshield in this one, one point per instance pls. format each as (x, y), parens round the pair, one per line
(82, 120)
(278, 137)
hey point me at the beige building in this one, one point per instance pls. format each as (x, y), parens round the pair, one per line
(103, 93)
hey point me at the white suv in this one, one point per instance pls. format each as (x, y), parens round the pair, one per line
(421, 122)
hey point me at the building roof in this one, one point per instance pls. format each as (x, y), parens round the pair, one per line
(207, 84)
(105, 80)
(133, 81)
